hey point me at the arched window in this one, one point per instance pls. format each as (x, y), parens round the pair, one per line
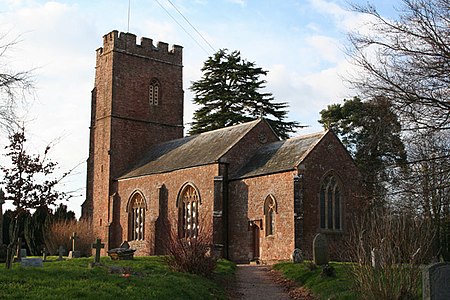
(270, 208)
(188, 203)
(330, 204)
(136, 217)
(154, 92)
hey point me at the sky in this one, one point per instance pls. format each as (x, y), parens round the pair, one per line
(301, 43)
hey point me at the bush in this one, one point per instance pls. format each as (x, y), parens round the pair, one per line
(388, 251)
(328, 271)
(193, 255)
(60, 232)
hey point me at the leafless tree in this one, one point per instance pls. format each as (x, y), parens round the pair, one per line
(407, 60)
(425, 189)
(14, 85)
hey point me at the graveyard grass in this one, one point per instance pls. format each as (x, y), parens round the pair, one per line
(150, 278)
(338, 287)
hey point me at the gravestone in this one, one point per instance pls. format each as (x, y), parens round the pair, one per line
(122, 253)
(2, 201)
(60, 253)
(45, 254)
(297, 256)
(31, 262)
(97, 246)
(320, 249)
(74, 253)
(375, 258)
(436, 282)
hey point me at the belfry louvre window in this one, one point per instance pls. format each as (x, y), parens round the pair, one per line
(188, 212)
(330, 204)
(154, 91)
(270, 208)
(136, 217)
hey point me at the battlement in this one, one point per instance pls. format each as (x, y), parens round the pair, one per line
(126, 42)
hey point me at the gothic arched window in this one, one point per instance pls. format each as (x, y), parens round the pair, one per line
(154, 92)
(136, 217)
(188, 204)
(330, 204)
(270, 208)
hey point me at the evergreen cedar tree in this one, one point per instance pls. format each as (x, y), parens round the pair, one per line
(229, 93)
(371, 132)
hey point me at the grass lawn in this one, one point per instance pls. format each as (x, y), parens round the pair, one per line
(72, 279)
(338, 287)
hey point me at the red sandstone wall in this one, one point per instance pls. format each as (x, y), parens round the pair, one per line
(124, 125)
(329, 156)
(247, 203)
(202, 177)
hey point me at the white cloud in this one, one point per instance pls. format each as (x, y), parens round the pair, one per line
(239, 2)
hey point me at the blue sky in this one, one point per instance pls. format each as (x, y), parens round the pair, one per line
(300, 43)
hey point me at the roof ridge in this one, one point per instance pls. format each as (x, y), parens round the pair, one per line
(256, 122)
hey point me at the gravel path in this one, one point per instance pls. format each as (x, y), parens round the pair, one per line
(255, 282)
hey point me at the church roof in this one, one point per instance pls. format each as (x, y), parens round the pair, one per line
(279, 156)
(191, 151)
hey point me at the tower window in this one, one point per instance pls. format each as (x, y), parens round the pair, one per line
(154, 92)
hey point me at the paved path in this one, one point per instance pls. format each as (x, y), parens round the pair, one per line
(254, 282)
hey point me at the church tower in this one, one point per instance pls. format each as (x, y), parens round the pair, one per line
(137, 102)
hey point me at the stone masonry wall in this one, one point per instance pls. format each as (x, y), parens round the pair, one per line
(202, 177)
(329, 156)
(247, 198)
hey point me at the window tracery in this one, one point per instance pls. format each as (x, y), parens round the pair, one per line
(154, 92)
(188, 212)
(136, 214)
(270, 208)
(330, 203)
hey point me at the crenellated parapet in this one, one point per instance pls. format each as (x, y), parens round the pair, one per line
(126, 42)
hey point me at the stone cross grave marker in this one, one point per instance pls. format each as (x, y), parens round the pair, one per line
(320, 249)
(297, 256)
(436, 282)
(74, 253)
(60, 253)
(97, 246)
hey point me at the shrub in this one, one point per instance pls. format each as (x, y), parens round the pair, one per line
(60, 232)
(191, 255)
(401, 245)
(328, 271)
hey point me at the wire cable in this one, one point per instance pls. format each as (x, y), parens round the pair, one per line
(182, 27)
(190, 24)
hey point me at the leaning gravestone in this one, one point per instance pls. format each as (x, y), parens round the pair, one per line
(31, 262)
(320, 249)
(297, 256)
(436, 282)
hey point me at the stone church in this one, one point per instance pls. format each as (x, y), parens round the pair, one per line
(262, 196)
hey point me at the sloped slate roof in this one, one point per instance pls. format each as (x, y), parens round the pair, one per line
(191, 151)
(279, 156)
